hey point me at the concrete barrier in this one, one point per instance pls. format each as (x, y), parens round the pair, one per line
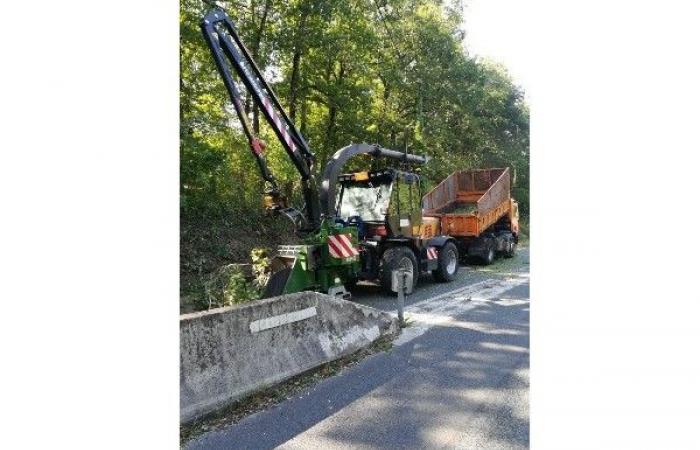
(228, 353)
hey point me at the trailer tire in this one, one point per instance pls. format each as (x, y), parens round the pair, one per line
(510, 251)
(489, 256)
(394, 259)
(448, 263)
(275, 285)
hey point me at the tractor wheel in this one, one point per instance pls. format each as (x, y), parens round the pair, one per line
(276, 283)
(398, 258)
(448, 262)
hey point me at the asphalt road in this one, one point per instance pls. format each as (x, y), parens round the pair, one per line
(457, 377)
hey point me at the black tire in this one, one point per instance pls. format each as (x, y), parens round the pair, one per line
(510, 251)
(351, 284)
(448, 263)
(275, 285)
(488, 257)
(393, 259)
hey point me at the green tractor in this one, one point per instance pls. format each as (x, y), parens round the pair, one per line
(372, 226)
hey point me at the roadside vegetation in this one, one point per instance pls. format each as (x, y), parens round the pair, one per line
(379, 71)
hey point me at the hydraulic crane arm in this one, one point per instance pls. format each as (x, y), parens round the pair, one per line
(231, 55)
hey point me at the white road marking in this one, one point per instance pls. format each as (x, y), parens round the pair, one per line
(442, 309)
(282, 319)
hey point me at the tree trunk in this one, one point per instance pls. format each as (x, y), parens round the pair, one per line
(304, 112)
(385, 107)
(333, 110)
(255, 51)
(294, 85)
(296, 62)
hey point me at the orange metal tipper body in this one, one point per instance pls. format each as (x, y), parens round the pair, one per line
(469, 203)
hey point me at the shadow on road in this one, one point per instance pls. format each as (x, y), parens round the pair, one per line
(453, 390)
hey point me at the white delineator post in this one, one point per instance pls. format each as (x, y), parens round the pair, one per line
(399, 280)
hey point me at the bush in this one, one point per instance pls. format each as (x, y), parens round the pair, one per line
(228, 285)
(238, 283)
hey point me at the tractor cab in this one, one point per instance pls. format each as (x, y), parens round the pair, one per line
(385, 207)
(381, 203)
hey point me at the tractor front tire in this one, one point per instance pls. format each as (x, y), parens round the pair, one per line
(394, 259)
(448, 263)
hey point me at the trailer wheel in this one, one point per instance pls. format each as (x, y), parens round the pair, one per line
(489, 256)
(275, 285)
(398, 258)
(510, 249)
(448, 262)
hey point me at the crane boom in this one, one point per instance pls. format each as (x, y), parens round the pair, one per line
(230, 53)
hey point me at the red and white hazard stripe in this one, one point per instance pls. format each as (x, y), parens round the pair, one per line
(432, 253)
(278, 123)
(340, 246)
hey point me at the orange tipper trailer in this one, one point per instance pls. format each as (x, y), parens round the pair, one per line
(475, 207)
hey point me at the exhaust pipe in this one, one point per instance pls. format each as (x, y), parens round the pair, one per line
(401, 156)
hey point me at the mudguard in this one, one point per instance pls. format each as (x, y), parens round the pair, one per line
(439, 241)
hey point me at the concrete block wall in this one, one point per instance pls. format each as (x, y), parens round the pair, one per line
(228, 353)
